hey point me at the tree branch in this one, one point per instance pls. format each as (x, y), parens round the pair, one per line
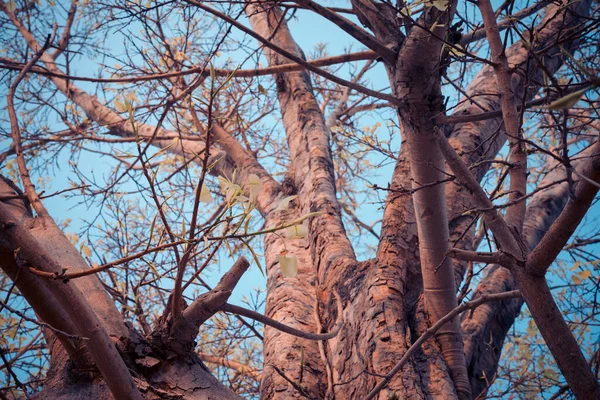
(503, 234)
(515, 214)
(544, 254)
(186, 325)
(269, 44)
(7, 63)
(284, 328)
(237, 366)
(103, 351)
(352, 29)
(477, 256)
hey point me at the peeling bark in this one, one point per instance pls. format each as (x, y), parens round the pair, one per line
(384, 299)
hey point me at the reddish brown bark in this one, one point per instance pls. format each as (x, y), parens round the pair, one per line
(384, 299)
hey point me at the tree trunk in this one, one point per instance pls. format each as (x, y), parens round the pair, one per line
(387, 302)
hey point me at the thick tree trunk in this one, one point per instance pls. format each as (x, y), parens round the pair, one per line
(380, 308)
(376, 331)
(384, 299)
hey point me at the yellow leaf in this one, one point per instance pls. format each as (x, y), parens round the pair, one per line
(205, 195)
(120, 106)
(288, 265)
(296, 232)
(576, 280)
(86, 251)
(585, 274)
(11, 6)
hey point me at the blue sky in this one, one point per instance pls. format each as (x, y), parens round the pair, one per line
(308, 30)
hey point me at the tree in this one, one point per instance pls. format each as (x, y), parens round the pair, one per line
(127, 312)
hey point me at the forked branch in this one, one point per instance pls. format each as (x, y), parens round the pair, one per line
(432, 330)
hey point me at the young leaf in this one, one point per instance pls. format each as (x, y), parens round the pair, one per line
(11, 6)
(288, 265)
(86, 251)
(567, 101)
(151, 234)
(254, 256)
(254, 186)
(296, 232)
(585, 274)
(205, 195)
(131, 97)
(120, 106)
(284, 204)
(441, 5)
(230, 189)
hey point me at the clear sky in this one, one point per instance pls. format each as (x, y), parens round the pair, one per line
(308, 30)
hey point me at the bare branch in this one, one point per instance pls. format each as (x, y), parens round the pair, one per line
(239, 367)
(515, 214)
(284, 328)
(476, 256)
(298, 60)
(493, 219)
(7, 63)
(103, 351)
(352, 29)
(563, 228)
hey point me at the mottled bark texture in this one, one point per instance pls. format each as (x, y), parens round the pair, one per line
(417, 83)
(387, 301)
(311, 169)
(382, 311)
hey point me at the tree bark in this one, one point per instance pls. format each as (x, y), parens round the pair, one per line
(384, 299)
